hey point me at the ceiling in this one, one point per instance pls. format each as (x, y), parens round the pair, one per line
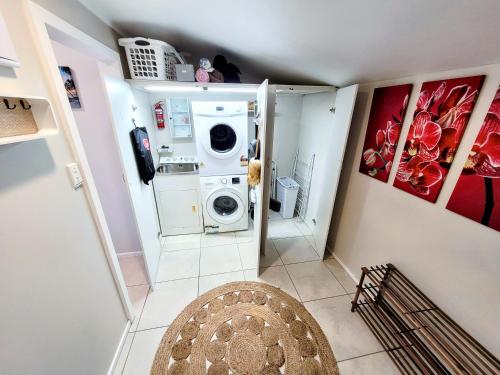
(318, 41)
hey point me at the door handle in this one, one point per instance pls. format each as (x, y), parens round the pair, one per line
(193, 208)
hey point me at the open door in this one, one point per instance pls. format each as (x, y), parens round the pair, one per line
(264, 118)
(344, 107)
(122, 104)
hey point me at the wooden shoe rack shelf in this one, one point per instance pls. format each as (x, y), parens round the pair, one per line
(417, 335)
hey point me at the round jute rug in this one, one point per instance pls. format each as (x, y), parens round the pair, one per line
(244, 328)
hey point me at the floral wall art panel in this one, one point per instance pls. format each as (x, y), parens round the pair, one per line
(384, 128)
(439, 121)
(477, 193)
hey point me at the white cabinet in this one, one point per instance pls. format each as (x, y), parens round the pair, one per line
(180, 118)
(179, 203)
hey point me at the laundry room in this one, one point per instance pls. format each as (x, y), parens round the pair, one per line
(204, 137)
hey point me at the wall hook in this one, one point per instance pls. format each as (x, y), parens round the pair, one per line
(23, 104)
(7, 104)
(332, 110)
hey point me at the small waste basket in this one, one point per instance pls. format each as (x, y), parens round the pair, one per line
(287, 195)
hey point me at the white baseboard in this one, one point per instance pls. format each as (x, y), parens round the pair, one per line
(356, 280)
(119, 348)
(129, 254)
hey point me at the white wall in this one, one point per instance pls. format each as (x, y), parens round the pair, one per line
(79, 16)
(286, 131)
(454, 260)
(61, 312)
(95, 128)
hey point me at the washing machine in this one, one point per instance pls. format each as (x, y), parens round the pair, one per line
(225, 203)
(221, 134)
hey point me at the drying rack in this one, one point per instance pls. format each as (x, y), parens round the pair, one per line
(417, 335)
(301, 173)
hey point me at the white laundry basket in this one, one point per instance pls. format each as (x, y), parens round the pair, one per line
(287, 195)
(150, 59)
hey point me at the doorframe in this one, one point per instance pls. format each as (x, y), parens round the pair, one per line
(41, 19)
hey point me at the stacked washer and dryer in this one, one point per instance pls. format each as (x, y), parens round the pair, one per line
(221, 131)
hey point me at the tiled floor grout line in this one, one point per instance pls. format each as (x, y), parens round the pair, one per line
(152, 328)
(361, 356)
(128, 351)
(241, 259)
(286, 270)
(335, 277)
(199, 272)
(323, 298)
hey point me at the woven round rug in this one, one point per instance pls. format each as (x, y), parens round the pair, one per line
(244, 328)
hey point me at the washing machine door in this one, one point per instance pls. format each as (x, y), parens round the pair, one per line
(222, 140)
(225, 206)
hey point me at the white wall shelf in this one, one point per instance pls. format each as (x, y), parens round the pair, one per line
(34, 123)
(220, 88)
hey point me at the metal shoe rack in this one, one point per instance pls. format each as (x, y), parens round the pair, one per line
(418, 336)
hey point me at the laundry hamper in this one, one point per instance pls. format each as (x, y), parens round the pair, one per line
(151, 59)
(288, 190)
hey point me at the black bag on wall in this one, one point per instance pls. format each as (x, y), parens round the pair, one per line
(142, 152)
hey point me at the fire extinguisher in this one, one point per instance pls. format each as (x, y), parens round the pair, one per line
(160, 119)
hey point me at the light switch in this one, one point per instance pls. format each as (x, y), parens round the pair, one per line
(75, 175)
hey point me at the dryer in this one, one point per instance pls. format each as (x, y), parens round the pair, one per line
(221, 133)
(225, 203)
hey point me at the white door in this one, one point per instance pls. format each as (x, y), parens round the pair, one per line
(266, 100)
(121, 101)
(344, 106)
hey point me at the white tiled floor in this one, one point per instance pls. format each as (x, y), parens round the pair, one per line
(193, 264)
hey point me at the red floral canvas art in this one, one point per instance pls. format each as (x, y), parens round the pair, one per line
(442, 113)
(477, 193)
(384, 128)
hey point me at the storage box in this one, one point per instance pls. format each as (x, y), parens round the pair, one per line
(184, 72)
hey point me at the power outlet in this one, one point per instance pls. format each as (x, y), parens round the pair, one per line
(75, 175)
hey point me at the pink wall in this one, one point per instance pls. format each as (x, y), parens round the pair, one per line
(96, 131)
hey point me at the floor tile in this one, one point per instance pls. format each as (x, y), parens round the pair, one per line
(273, 215)
(213, 281)
(167, 301)
(179, 265)
(313, 280)
(303, 227)
(216, 239)
(143, 351)
(312, 242)
(272, 258)
(122, 358)
(219, 259)
(295, 249)
(276, 276)
(347, 333)
(137, 295)
(282, 229)
(249, 254)
(374, 364)
(243, 236)
(182, 242)
(341, 275)
(133, 269)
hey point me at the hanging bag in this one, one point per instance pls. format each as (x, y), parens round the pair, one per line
(142, 152)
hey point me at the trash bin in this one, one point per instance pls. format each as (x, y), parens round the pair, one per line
(287, 195)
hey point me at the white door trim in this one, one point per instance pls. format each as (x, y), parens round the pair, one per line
(41, 20)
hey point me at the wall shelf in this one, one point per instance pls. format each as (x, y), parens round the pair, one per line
(222, 88)
(35, 120)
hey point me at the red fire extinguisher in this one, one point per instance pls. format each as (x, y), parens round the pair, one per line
(160, 119)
